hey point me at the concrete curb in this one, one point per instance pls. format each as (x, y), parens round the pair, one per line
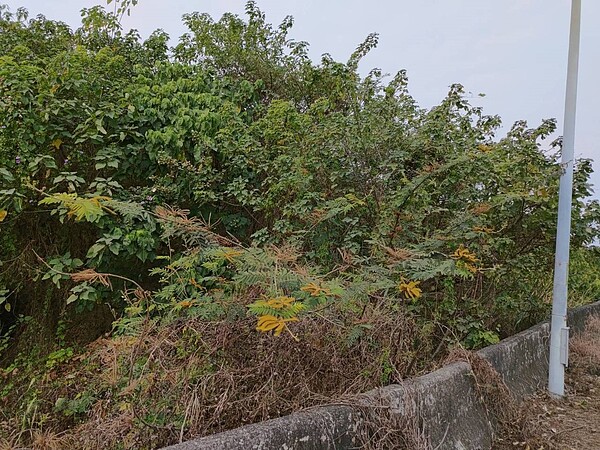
(450, 411)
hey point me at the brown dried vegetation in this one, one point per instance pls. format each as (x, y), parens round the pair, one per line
(572, 422)
(192, 378)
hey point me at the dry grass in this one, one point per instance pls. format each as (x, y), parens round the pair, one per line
(385, 427)
(192, 378)
(37, 440)
(46, 440)
(498, 400)
(10, 443)
(586, 347)
(569, 423)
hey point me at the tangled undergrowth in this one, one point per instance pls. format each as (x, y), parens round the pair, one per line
(192, 378)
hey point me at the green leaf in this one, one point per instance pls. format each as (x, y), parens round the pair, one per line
(6, 174)
(95, 250)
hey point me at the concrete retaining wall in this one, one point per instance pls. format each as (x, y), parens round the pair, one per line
(450, 411)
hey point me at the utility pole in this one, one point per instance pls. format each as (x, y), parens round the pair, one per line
(559, 335)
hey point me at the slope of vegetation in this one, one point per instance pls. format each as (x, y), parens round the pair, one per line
(198, 237)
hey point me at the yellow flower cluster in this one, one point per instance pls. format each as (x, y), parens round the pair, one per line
(409, 289)
(464, 254)
(465, 258)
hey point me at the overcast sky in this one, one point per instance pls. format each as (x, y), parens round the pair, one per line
(514, 51)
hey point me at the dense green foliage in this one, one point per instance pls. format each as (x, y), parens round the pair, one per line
(231, 170)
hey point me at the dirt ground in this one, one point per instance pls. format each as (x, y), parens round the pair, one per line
(572, 423)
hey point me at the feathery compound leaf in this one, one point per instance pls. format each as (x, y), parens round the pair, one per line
(427, 268)
(90, 209)
(60, 198)
(129, 210)
(284, 307)
(315, 290)
(271, 323)
(247, 279)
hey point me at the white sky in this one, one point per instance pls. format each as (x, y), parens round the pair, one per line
(514, 51)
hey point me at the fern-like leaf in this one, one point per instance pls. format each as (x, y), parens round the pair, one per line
(90, 209)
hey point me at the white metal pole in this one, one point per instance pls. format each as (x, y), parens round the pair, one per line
(559, 336)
